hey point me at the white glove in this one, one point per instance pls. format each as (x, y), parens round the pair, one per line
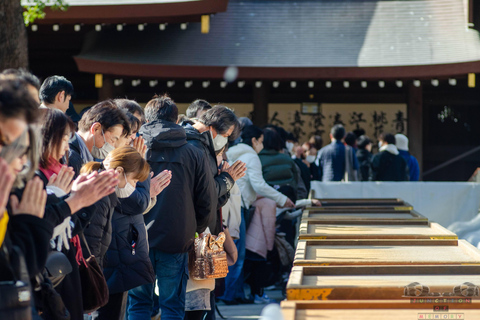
(62, 235)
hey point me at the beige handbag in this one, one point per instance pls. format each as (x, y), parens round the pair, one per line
(210, 257)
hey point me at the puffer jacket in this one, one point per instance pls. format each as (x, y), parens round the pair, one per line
(260, 236)
(98, 232)
(278, 169)
(128, 264)
(253, 183)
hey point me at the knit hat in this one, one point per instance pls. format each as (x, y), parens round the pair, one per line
(401, 142)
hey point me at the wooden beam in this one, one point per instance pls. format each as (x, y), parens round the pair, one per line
(260, 104)
(415, 123)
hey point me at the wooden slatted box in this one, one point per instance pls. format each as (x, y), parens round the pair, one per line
(376, 310)
(311, 229)
(365, 218)
(384, 282)
(366, 252)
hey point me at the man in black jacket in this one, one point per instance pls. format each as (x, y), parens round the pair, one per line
(185, 207)
(388, 164)
(210, 134)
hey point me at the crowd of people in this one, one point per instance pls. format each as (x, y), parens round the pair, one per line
(129, 189)
(348, 158)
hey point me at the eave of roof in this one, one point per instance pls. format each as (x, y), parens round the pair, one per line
(141, 12)
(287, 73)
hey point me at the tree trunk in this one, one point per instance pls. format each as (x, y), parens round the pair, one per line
(13, 36)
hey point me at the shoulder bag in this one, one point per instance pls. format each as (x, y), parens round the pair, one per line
(94, 285)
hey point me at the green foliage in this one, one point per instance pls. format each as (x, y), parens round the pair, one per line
(35, 9)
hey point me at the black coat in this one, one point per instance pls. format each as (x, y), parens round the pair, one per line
(389, 167)
(364, 163)
(75, 156)
(190, 201)
(223, 181)
(124, 268)
(32, 236)
(305, 173)
(98, 232)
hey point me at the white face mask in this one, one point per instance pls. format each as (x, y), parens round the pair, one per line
(219, 141)
(126, 191)
(290, 146)
(101, 153)
(310, 159)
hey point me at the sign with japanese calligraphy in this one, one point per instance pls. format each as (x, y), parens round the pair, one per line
(369, 119)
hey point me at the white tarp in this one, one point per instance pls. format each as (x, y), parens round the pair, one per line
(442, 202)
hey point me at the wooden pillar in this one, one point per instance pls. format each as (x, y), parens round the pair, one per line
(260, 104)
(415, 123)
(107, 91)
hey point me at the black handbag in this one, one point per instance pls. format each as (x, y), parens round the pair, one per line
(48, 301)
(94, 286)
(247, 214)
(16, 294)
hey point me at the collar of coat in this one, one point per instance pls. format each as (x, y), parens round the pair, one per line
(390, 148)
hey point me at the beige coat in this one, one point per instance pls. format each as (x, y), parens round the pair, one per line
(261, 232)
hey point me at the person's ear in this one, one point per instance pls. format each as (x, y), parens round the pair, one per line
(60, 97)
(119, 170)
(95, 127)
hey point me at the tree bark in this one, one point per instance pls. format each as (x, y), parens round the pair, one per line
(13, 36)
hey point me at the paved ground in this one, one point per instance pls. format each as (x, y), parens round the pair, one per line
(247, 311)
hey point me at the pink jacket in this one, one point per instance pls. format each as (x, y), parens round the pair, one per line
(260, 236)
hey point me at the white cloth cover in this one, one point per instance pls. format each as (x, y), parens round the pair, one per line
(442, 202)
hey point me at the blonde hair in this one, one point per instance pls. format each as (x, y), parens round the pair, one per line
(126, 157)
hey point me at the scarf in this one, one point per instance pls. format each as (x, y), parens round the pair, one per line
(53, 168)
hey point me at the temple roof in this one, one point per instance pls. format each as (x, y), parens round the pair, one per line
(298, 39)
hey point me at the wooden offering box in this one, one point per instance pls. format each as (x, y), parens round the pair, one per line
(363, 202)
(365, 218)
(376, 310)
(369, 252)
(384, 282)
(312, 230)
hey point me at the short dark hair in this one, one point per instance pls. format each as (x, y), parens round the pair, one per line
(272, 139)
(161, 108)
(221, 118)
(131, 106)
(107, 114)
(316, 142)
(387, 137)
(244, 121)
(350, 139)
(24, 75)
(135, 124)
(338, 132)
(363, 141)
(282, 132)
(16, 101)
(52, 86)
(55, 124)
(250, 132)
(195, 106)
